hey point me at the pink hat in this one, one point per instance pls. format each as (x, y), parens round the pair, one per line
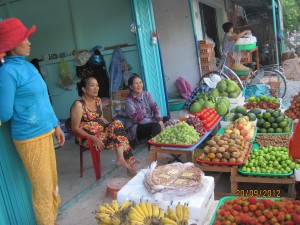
(12, 33)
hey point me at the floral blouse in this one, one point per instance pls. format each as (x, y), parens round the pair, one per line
(140, 110)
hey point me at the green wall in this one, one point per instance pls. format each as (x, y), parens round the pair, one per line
(66, 25)
(15, 188)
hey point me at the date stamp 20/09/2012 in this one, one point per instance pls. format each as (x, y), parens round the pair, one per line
(264, 193)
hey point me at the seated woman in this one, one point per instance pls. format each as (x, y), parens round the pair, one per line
(145, 119)
(87, 119)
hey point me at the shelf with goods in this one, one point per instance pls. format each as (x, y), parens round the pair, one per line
(280, 183)
(177, 151)
(207, 56)
(237, 179)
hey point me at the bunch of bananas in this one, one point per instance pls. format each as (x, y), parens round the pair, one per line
(145, 213)
(113, 214)
(181, 216)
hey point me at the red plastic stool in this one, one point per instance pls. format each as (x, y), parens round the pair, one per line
(114, 185)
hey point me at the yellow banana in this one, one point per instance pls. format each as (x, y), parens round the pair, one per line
(135, 217)
(115, 220)
(155, 210)
(161, 213)
(179, 211)
(134, 211)
(103, 217)
(106, 205)
(103, 209)
(138, 208)
(136, 223)
(144, 208)
(149, 208)
(166, 220)
(172, 214)
(115, 205)
(185, 213)
(124, 205)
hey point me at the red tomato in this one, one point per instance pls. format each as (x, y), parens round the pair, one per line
(198, 114)
(211, 110)
(209, 125)
(204, 116)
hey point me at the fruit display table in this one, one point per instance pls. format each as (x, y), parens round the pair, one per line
(236, 179)
(189, 152)
(222, 169)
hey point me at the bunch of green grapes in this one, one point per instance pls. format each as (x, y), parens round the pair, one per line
(181, 133)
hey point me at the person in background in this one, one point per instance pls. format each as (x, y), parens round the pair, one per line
(24, 100)
(145, 119)
(229, 40)
(87, 120)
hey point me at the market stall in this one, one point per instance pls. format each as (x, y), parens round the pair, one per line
(250, 142)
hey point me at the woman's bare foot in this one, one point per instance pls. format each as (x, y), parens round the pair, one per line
(131, 172)
(122, 163)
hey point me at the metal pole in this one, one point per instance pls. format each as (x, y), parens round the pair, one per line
(275, 32)
(195, 35)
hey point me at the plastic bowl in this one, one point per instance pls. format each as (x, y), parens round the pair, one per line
(247, 47)
(176, 104)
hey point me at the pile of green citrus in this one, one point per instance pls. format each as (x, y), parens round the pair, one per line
(263, 98)
(271, 160)
(273, 121)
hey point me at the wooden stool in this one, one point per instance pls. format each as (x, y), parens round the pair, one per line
(114, 185)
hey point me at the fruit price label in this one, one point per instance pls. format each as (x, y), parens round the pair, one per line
(264, 193)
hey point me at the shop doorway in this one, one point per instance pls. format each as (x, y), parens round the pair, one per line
(209, 24)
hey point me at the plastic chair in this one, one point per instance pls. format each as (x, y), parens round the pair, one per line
(94, 153)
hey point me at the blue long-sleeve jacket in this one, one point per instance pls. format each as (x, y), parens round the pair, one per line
(24, 99)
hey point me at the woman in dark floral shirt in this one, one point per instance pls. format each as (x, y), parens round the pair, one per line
(145, 119)
(87, 120)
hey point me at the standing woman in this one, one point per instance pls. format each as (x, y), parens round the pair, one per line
(87, 120)
(229, 41)
(145, 119)
(24, 100)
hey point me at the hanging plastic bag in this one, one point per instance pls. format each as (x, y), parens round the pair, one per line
(66, 79)
(184, 88)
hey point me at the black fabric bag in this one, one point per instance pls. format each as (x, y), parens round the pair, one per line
(84, 71)
(81, 61)
(97, 64)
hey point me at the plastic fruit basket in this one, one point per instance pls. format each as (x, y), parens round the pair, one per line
(242, 72)
(256, 146)
(176, 104)
(227, 163)
(245, 47)
(222, 202)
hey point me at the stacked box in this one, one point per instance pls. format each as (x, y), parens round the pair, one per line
(199, 202)
(121, 94)
(207, 56)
